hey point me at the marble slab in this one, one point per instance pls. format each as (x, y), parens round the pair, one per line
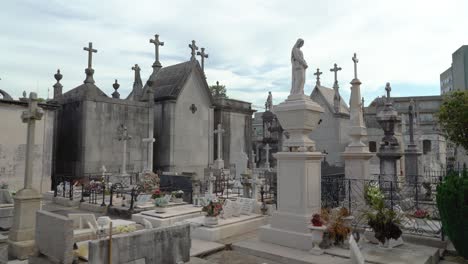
(173, 211)
(224, 222)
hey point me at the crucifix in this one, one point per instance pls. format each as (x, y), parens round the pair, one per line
(193, 47)
(149, 155)
(156, 43)
(335, 69)
(355, 60)
(318, 73)
(267, 155)
(219, 133)
(90, 51)
(203, 56)
(124, 137)
(30, 117)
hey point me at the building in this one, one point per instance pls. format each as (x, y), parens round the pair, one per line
(455, 78)
(13, 144)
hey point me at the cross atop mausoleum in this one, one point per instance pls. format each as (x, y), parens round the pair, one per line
(355, 60)
(156, 43)
(203, 55)
(335, 69)
(318, 73)
(90, 51)
(193, 47)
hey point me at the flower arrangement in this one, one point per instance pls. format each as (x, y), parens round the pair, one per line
(177, 194)
(150, 181)
(316, 220)
(420, 213)
(384, 221)
(213, 209)
(156, 194)
(337, 227)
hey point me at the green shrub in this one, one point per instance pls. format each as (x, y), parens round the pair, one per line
(452, 202)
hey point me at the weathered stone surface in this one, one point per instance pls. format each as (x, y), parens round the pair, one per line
(54, 236)
(162, 245)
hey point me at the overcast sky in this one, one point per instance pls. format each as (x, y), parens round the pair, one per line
(407, 43)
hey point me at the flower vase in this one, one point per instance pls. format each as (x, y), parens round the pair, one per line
(211, 220)
(316, 237)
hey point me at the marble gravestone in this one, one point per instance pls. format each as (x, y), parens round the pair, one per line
(228, 209)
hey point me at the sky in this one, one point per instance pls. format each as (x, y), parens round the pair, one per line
(407, 43)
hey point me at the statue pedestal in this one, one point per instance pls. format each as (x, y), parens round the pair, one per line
(22, 233)
(299, 175)
(357, 172)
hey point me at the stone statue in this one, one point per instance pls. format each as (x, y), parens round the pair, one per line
(299, 65)
(269, 102)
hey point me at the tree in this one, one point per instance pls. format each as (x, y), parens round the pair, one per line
(453, 117)
(218, 90)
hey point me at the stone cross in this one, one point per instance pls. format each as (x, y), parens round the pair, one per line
(124, 137)
(355, 60)
(203, 55)
(193, 47)
(219, 133)
(149, 155)
(388, 89)
(210, 183)
(137, 70)
(90, 51)
(318, 73)
(267, 154)
(335, 69)
(156, 43)
(411, 117)
(30, 117)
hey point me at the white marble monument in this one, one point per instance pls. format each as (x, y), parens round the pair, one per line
(299, 174)
(357, 154)
(27, 200)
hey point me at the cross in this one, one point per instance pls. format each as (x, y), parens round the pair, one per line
(123, 136)
(30, 116)
(194, 48)
(90, 51)
(336, 69)
(203, 56)
(388, 89)
(318, 73)
(156, 43)
(355, 60)
(219, 131)
(136, 68)
(267, 154)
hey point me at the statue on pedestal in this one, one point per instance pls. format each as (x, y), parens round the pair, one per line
(299, 65)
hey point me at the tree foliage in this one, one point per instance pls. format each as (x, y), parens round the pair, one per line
(453, 117)
(218, 91)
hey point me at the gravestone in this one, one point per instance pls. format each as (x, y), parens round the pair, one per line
(228, 209)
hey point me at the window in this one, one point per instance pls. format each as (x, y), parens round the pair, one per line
(426, 146)
(372, 146)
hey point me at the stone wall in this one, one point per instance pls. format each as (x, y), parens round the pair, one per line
(168, 245)
(54, 237)
(13, 146)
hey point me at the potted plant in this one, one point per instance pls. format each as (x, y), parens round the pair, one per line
(213, 210)
(317, 228)
(159, 201)
(339, 226)
(383, 221)
(177, 196)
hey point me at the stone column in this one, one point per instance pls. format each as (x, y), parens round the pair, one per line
(356, 154)
(219, 162)
(299, 175)
(149, 155)
(267, 156)
(27, 200)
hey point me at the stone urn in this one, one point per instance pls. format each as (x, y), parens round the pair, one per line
(316, 237)
(211, 220)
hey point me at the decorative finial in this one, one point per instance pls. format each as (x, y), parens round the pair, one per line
(58, 76)
(193, 47)
(318, 73)
(116, 86)
(57, 86)
(203, 55)
(156, 43)
(24, 94)
(355, 60)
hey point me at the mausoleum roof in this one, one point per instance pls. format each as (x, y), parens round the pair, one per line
(85, 90)
(328, 94)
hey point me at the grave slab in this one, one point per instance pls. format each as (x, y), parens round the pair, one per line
(171, 216)
(226, 227)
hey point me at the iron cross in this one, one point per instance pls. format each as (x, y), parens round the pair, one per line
(318, 73)
(203, 56)
(193, 47)
(336, 69)
(355, 60)
(90, 51)
(156, 43)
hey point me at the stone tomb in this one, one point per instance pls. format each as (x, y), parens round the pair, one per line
(229, 224)
(172, 215)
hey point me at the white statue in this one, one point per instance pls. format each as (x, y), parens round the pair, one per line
(299, 65)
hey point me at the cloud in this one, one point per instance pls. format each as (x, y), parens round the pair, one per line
(407, 43)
